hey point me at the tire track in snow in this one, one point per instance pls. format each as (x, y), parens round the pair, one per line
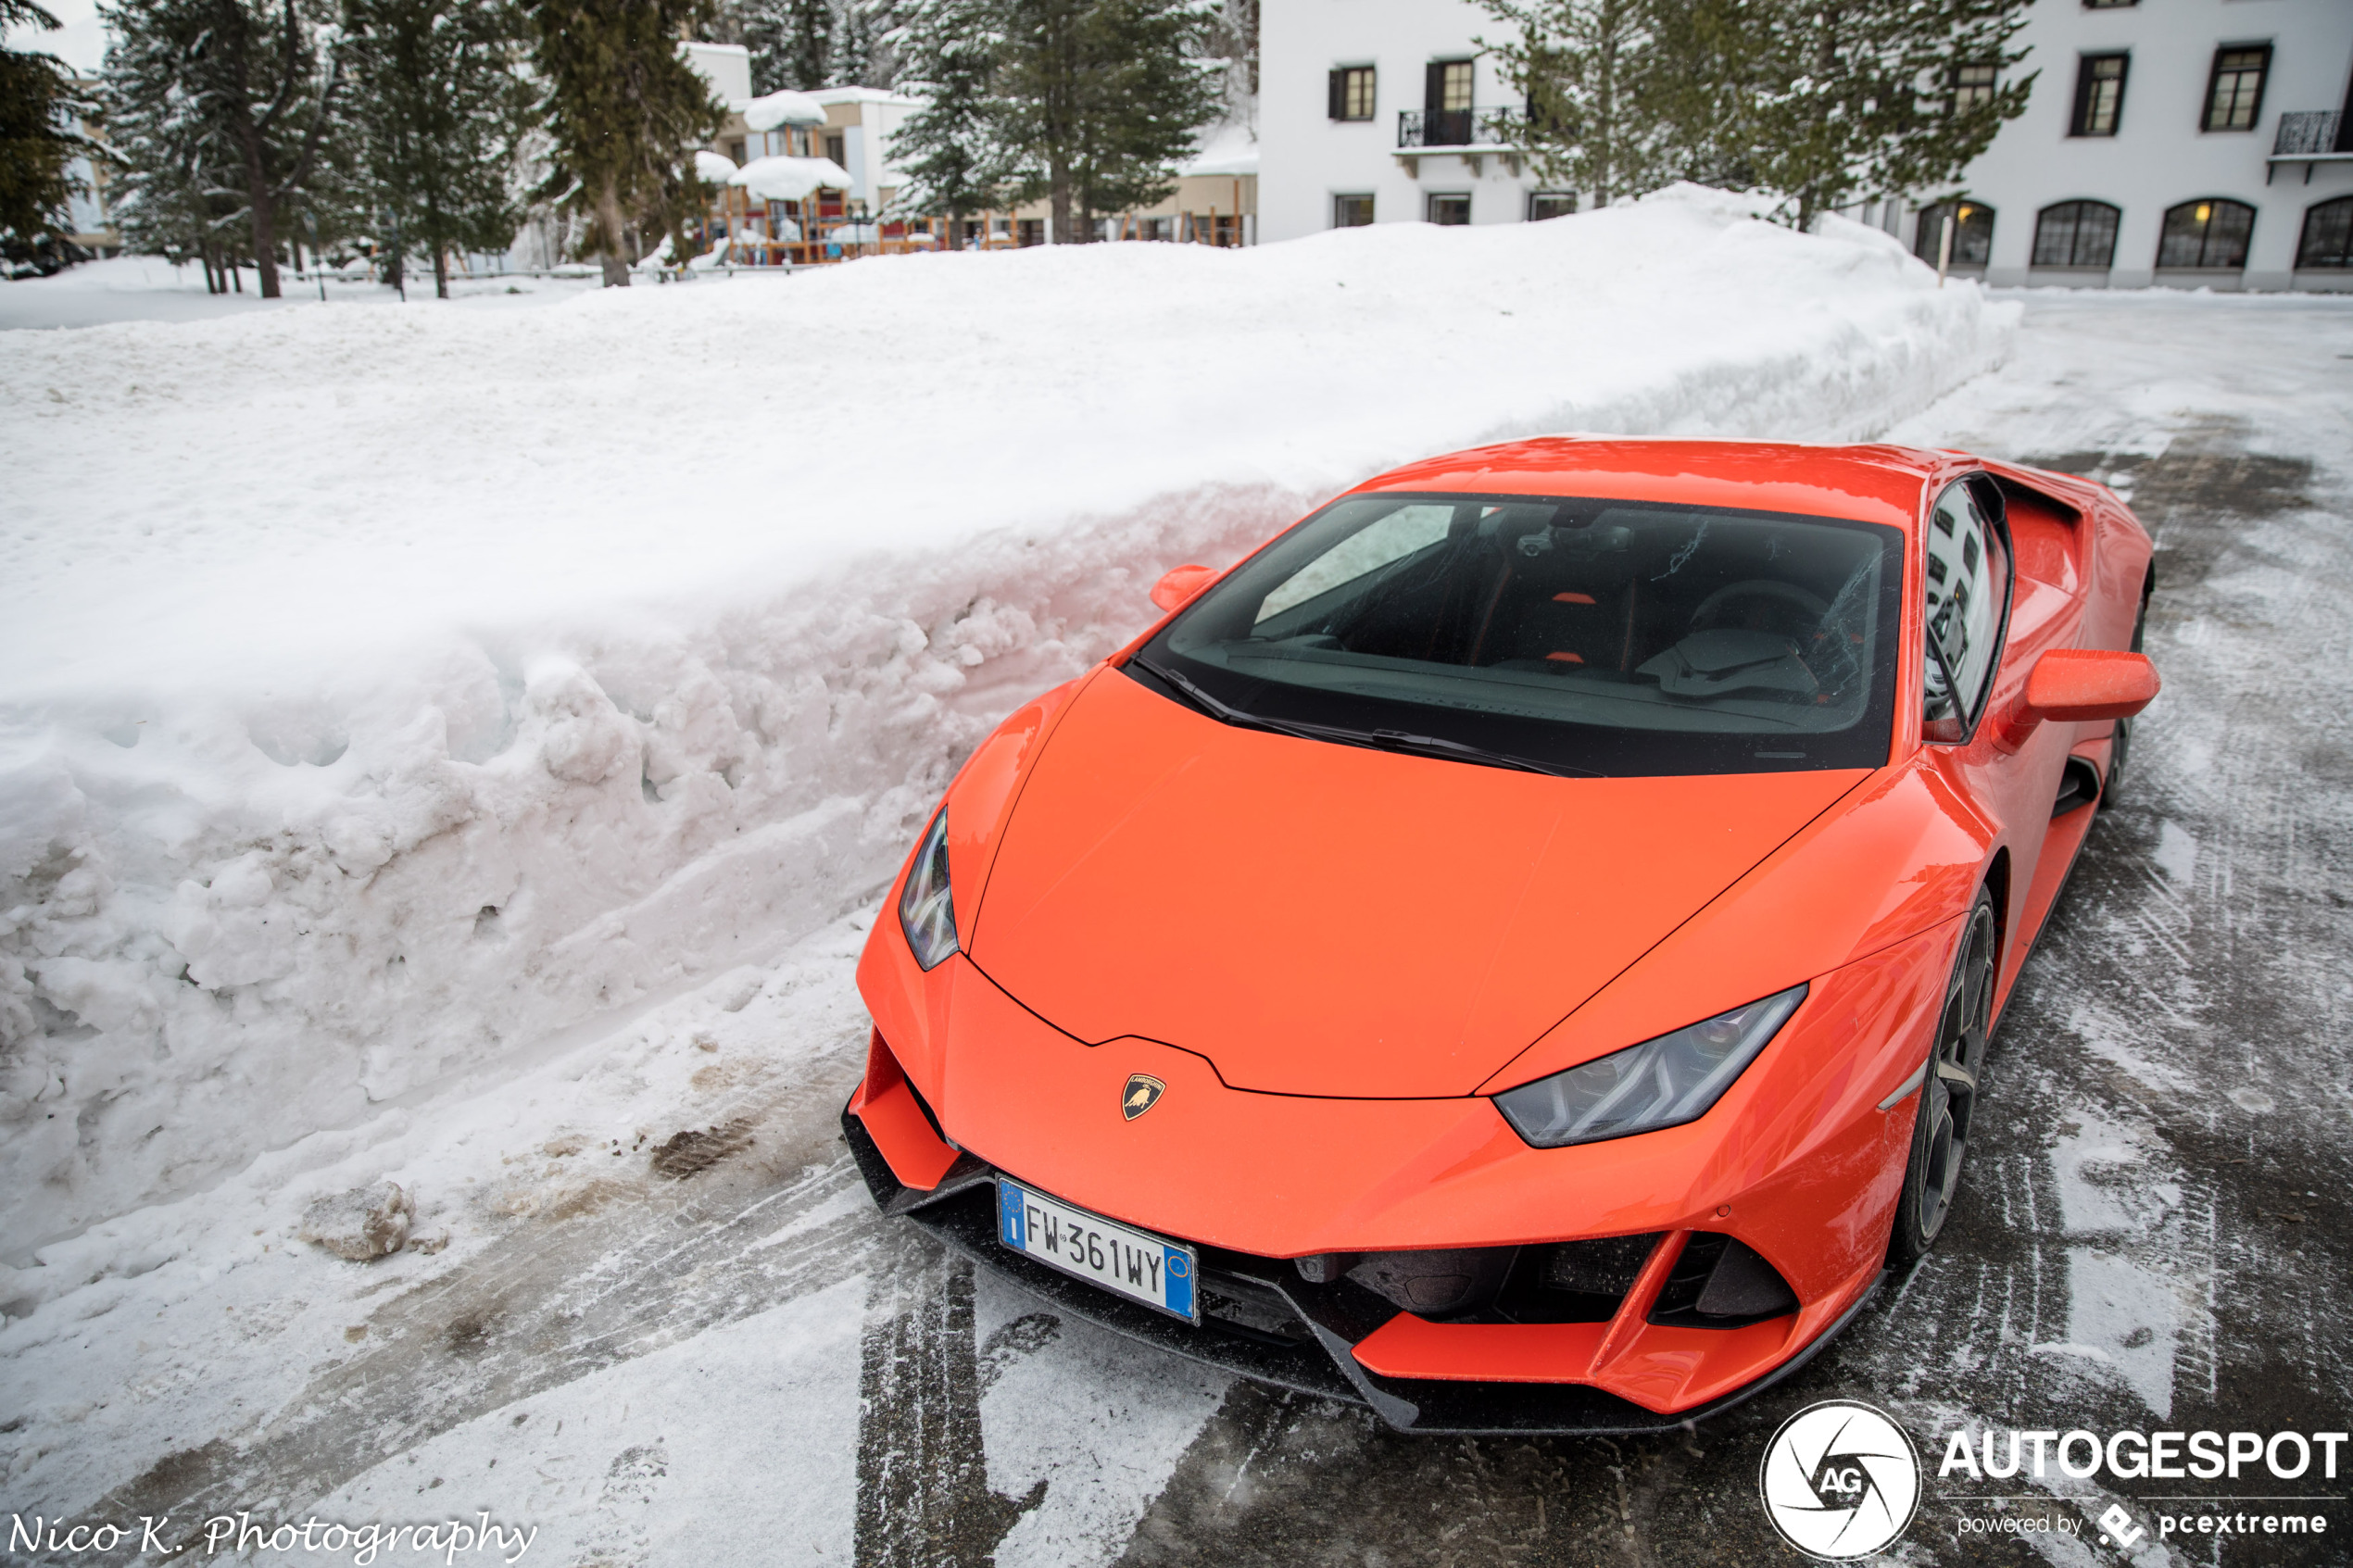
(649, 1264)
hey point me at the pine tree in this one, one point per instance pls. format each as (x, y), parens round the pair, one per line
(1822, 102)
(35, 147)
(1595, 80)
(625, 112)
(1861, 95)
(863, 52)
(808, 44)
(438, 103)
(948, 147)
(791, 42)
(213, 102)
(1096, 102)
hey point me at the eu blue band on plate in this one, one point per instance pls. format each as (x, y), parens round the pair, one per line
(1009, 1215)
(1180, 1281)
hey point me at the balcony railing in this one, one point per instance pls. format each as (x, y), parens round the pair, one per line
(1427, 129)
(2302, 135)
(2309, 137)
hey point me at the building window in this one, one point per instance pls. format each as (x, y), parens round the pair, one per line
(2327, 244)
(2234, 93)
(1031, 231)
(1449, 86)
(2076, 234)
(735, 154)
(1450, 209)
(1972, 232)
(834, 149)
(2210, 233)
(1353, 210)
(1351, 93)
(2099, 94)
(2108, 5)
(1550, 204)
(1972, 85)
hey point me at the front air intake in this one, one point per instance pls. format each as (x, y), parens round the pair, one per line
(1720, 1282)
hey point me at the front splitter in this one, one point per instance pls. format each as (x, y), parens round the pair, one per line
(961, 1212)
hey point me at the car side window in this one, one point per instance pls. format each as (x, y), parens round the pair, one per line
(1965, 590)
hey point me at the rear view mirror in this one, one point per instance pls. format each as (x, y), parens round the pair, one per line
(1181, 584)
(2073, 685)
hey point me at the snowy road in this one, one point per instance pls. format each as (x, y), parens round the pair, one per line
(709, 1349)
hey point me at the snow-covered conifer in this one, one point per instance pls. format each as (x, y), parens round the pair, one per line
(625, 112)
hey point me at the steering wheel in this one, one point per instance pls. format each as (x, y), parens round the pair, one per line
(1713, 606)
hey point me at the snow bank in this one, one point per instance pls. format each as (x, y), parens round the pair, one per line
(384, 693)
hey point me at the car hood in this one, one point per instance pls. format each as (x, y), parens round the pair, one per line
(1331, 920)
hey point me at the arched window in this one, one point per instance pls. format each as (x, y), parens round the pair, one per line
(2209, 232)
(2328, 235)
(2075, 235)
(1972, 232)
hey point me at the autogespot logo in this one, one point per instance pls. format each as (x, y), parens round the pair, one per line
(1839, 1480)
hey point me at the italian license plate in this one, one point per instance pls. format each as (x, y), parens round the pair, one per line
(1130, 1262)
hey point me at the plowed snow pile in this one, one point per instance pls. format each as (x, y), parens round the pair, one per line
(384, 692)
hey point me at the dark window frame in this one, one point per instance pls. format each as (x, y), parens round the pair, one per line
(1535, 196)
(1429, 208)
(1341, 87)
(1339, 217)
(1967, 95)
(2336, 213)
(2262, 70)
(2082, 120)
(2074, 211)
(2215, 207)
(1927, 232)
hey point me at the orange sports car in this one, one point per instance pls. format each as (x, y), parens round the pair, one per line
(1518, 950)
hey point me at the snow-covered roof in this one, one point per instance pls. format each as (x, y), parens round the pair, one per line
(717, 167)
(783, 179)
(787, 108)
(862, 96)
(1227, 149)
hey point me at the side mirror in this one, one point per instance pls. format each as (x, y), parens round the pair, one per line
(1181, 584)
(2073, 685)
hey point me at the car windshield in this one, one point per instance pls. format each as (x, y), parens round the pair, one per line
(1572, 636)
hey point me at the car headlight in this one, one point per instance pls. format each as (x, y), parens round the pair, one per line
(1660, 1082)
(926, 908)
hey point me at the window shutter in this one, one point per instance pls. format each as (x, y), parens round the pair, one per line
(1336, 94)
(1434, 87)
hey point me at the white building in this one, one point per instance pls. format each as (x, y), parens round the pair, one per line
(2167, 141)
(2191, 141)
(1385, 111)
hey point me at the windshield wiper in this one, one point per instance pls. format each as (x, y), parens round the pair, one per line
(1435, 745)
(1232, 715)
(1379, 740)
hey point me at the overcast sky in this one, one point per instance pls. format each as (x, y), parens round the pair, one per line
(81, 42)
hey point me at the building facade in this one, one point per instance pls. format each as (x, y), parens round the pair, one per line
(1388, 111)
(2198, 142)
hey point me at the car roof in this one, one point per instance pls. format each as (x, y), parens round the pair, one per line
(1868, 483)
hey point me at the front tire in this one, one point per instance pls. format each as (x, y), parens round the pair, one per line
(1945, 1126)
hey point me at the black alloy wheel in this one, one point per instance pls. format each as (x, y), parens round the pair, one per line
(1948, 1093)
